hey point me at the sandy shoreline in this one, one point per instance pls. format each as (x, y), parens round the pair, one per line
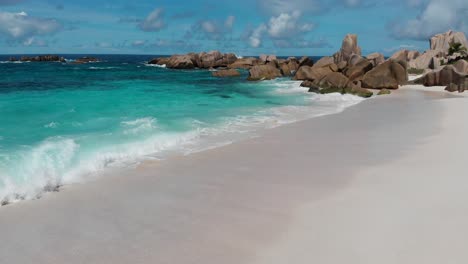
(379, 183)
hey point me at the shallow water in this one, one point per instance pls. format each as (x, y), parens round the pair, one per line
(62, 123)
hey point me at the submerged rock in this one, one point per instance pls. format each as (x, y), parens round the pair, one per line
(384, 92)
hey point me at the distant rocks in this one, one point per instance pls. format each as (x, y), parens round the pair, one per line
(203, 60)
(441, 42)
(444, 77)
(85, 60)
(41, 58)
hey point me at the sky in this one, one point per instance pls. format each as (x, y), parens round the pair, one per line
(245, 27)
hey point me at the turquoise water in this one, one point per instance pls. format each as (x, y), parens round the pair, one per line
(61, 123)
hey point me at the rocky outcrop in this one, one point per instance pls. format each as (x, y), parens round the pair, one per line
(376, 58)
(85, 60)
(41, 58)
(214, 59)
(444, 77)
(306, 61)
(203, 60)
(333, 80)
(244, 63)
(226, 73)
(354, 72)
(428, 60)
(263, 72)
(324, 61)
(348, 48)
(312, 73)
(267, 58)
(441, 42)
(289, 66)
(389, 75)
(405, 55)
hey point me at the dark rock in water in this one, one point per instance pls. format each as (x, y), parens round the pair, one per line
(448, 75)
(226, 73)
(354, 72)
(264, 72)
(225, 96)
(306, 61)
(389, 75)
(12, 59)
(85, 60)
(312, 87)
(43, 58)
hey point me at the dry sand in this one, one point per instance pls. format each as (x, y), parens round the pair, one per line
(383, 182)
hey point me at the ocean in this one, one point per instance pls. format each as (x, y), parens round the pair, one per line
(62, 123)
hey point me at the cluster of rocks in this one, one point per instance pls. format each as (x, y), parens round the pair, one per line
(85, 60)
(437, 55)
(41, 58)
(439, 66)
(347, 71)
(262, 68)
(203, 60)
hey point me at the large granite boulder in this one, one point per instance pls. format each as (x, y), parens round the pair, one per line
(354, 72)
(441, 42)
(324, 61)
(443, 77)
(226, 73)
(348, 47)
(289, 66)
(461, 66)
(306, 61)
(405, 55)
(389, 75)
(426, 60)
(332, 80)
(267, 58)
(456, 88)
(214, 59)
(180, 62)
(376, 58)
(244, 63)
(263, 72)
(311, 73)
(355, 59)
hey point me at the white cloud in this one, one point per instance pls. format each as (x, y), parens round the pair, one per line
(255, 38)
(154, 21)
(286, 25)
(281, 29)
(229, 23)
(21, 26)
(209, 27)
(138, 43)
(436, 17)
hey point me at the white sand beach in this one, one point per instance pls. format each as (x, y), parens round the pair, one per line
(383, 182)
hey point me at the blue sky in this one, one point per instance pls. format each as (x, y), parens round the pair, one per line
(246, 27)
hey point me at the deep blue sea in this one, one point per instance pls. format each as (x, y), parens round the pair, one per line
(62, 123)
